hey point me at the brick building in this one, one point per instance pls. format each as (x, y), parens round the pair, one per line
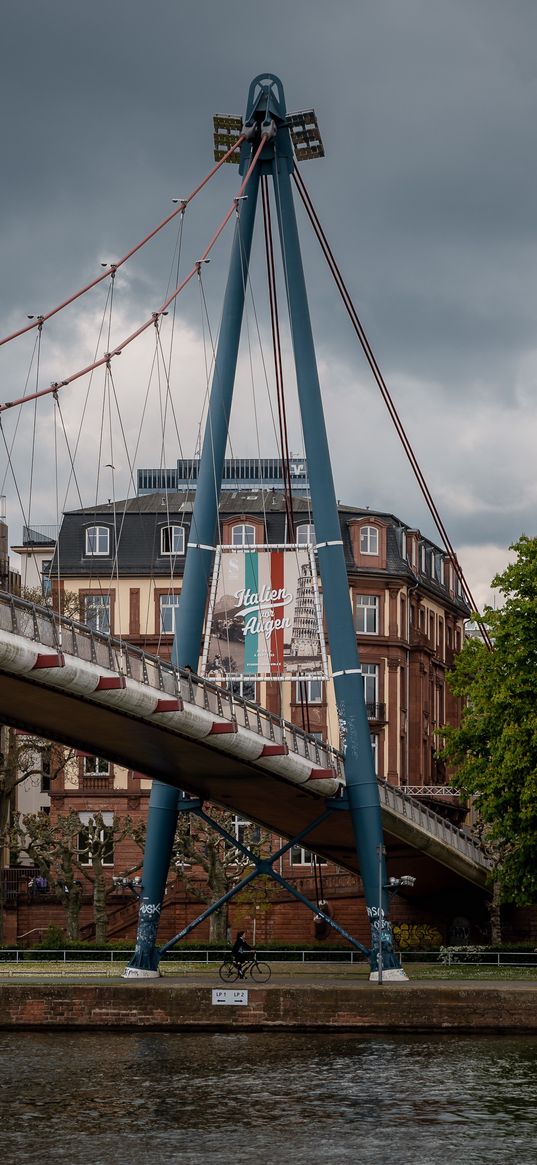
(125, 562)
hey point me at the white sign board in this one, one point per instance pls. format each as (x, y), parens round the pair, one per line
(222, 997)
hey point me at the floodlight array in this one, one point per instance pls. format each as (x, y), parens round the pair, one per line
(305, 135)
(227, 130)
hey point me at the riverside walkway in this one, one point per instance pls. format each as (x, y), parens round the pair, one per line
(319, 999)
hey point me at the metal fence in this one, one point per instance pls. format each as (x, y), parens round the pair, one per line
(343, 957)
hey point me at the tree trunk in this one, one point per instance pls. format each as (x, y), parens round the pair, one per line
(99, 903)
(218, 925)
(73, 904)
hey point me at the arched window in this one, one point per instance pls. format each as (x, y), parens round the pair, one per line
(243, 535)
(369, 540)
(172, 540)
(97, 540)
(305, 535)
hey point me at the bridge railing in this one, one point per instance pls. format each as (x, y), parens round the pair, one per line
(46, 626)
(399, 802)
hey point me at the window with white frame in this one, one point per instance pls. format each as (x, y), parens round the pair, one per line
(244, 688)
(370, 677)
(369, 540)
(92, 837)
(172, 540)
(98, 540)
(303, 857)
(169, 605)
(309, 691)
(96, 766)
(439, 568)
(245, 831)
(243, 535)
(367, 613)
(97, 609)
(375, 751)
(305, 535)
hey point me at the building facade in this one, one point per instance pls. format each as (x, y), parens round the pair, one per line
(122, 565)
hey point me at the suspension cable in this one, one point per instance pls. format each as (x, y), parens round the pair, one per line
(388, 400)
(105, 360)
(113, 267)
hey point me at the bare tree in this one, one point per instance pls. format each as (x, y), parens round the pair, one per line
(209, 865)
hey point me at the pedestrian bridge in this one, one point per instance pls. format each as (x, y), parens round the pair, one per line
(61, 680)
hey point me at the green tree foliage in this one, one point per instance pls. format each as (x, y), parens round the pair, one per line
(495, 748)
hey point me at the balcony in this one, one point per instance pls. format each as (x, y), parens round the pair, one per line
(376, 711)
(92, 784)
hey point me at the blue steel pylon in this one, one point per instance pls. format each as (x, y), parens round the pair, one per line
(266, 115)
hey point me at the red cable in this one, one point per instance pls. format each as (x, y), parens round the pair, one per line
(143, 327)
(39, 320)
(358, 327)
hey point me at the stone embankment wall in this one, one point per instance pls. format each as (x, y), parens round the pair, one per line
(351, 1007)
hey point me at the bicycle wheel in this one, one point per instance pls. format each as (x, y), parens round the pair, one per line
(228, 972)
(260, 972)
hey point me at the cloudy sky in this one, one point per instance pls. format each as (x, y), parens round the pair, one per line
(427, 193)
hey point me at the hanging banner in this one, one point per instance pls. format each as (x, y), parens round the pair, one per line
(264, 620)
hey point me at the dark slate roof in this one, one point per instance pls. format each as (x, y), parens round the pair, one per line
(138, 520)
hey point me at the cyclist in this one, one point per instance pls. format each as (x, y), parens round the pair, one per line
(240, 951)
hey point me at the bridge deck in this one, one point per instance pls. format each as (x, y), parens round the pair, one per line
(63, 681)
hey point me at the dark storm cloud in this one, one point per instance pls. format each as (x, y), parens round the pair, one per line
(427, 192)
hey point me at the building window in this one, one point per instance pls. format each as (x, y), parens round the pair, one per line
(90, 838)
(244, 688)
(375, 751)
(303, 857)
(370, 676)
(305, 535)
(46, 581)
(369, 540)
(97, 613)
(367, 610)
(98, 540)
(243, 535)
(245, 831)
(96, 766)
(309, 691)
(169, 605)
(172, 540)
(439, 568)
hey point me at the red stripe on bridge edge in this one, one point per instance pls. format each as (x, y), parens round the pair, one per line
(168, 706)
(220, 726)
(54, 660)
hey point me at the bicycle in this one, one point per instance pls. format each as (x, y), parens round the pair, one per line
(259, 972)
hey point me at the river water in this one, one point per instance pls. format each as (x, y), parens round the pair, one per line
(159, 1099)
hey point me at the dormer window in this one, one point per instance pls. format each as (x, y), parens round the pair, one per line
(305, 535)
(98, 540)
(172, 540)
(243, 535)
(369, 540)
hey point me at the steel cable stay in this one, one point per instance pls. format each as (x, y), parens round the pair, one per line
(388, 400)
(113, 267)
(119, 348)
